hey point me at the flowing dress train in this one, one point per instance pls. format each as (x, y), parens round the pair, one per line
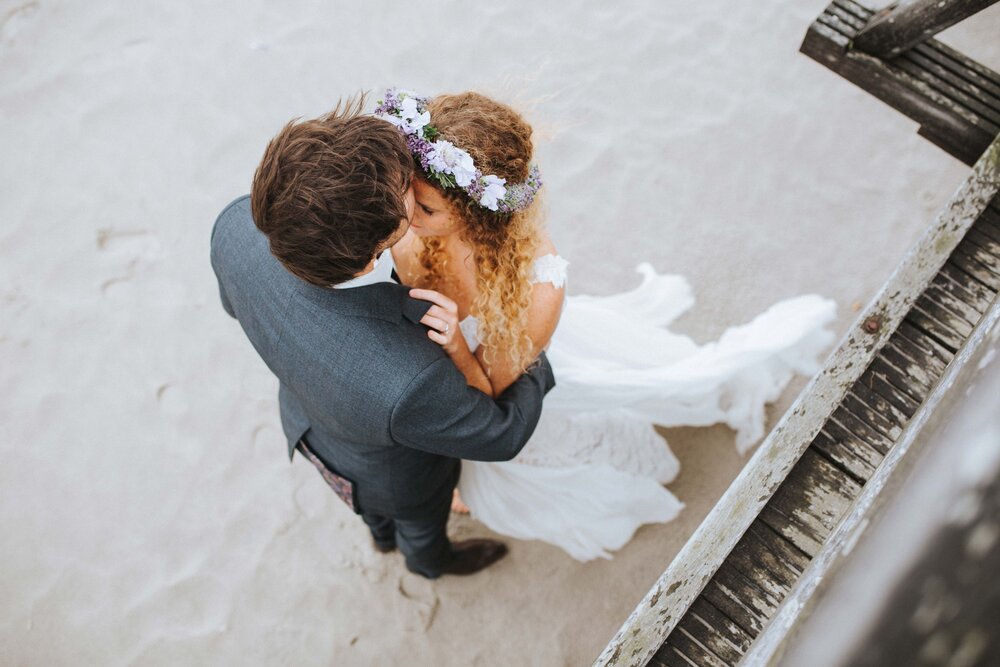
(594, 469)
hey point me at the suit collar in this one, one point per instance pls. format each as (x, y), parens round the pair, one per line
(383, 300)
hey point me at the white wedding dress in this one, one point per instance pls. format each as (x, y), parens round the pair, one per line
(594, 469)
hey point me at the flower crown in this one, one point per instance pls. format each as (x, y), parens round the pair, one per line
(448, 164)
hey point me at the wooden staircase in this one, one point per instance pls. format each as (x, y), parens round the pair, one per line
(955, 99)
(739, 582)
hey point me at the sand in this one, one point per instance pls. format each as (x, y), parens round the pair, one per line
(150, 515)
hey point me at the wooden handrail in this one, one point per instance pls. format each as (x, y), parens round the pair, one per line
(906, 23)
(659, 612)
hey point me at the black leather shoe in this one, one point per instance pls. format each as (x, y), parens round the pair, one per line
(384, 547)
(471, 556)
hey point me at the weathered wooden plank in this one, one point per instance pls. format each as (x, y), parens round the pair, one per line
(944, 297)
(793, 559)
(837, 23)
(844, 9)
(689, 574)
(962, 288)
(895, 414)
(809, 502)
(989, 116)
(726, 632)
(905, 23)
(985, 242)
(760, 601)
(874, 381)
(954, 79)
(841, 21)
(987, 259)
(933, 328)
(824, 43)
(971, 269)
(693, 650)
(802, 536)
(822, 491)
(989, 224)
(961, 64)
(862, 12)
(994, 204)
(696, 630)
(946, 326)
(896, 377)
(916, 374)
(948, 123)
(918, 367)
(964, 146)
(971, 265)
(729, 603)
(941, 408)
(749, 558)
(922, 347)
(847, 450)
(848, 19)
(668, 656)
(871, 416)
(868, 434)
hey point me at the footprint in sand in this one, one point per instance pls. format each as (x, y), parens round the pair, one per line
(15, 20)
(123, 250)
(420, 602)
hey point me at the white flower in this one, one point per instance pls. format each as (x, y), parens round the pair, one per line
(395, 120)
(449, 159)
(493, 191)
(413, 120)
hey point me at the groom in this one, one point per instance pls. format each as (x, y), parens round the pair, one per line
(364, 393)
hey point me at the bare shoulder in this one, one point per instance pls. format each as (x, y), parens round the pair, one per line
(545, 246)
(549, 274)
(546, 294)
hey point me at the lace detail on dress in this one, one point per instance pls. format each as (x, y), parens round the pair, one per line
(546, 269)
(549, 269)
(470, 331)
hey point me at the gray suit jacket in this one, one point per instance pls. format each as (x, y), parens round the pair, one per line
(379, 400)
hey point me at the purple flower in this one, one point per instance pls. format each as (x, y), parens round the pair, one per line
(447, 164)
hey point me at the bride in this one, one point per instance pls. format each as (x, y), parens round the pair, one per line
(594, 469)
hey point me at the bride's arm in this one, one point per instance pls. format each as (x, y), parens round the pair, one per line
(543, 316)
(493, 379)
(443, 323)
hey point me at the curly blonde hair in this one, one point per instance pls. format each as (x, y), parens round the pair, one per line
(504, 244)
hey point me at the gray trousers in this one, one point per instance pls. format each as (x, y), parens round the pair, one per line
(423, 540)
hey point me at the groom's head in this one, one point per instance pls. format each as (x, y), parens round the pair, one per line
(329, 193)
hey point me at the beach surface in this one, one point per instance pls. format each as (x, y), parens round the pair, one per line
(150, 515)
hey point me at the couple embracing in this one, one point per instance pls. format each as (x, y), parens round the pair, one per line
(393, 272)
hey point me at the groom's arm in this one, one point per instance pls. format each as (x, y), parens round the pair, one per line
(215, 259)
(440, 413)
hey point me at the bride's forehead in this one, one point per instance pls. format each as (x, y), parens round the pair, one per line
(426, 192)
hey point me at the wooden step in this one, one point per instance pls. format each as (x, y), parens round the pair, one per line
(722, 591)
(955, 100)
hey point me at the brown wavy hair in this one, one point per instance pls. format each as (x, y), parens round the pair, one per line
(504, 244)
(329, 191)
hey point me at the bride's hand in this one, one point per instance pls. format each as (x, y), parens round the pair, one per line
(442, 318)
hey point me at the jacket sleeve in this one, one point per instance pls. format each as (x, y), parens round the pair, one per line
(439, 413)
(214, 256)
